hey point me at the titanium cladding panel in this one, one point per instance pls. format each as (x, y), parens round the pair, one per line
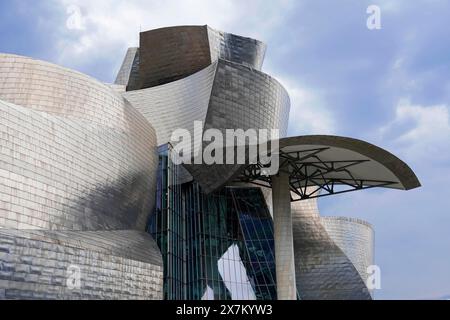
(355, 238)
(111, 264)
(75, 156)
(231, 47)
(76, 161)
(175, 105)
(323, 270)
(169, 54)
(127, 67)
(225, 95)
(247, 99)
(241, 98)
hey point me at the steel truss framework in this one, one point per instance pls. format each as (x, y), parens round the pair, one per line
(310, 176)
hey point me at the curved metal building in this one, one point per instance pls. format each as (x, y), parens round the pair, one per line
(323, 269)
(77, 163)
(93, 207)
(182, 51)
(356, 238)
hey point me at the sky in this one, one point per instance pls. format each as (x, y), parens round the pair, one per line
(389, 86)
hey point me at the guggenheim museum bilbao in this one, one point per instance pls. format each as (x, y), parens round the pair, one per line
(93, 205)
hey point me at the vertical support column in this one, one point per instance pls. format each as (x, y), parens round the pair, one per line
(284, 243)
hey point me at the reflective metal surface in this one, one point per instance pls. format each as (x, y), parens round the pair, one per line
(109, 265)
(175, 105)
(75, 155)
(129, 63)
(79, 162)
(231, 47)
(323, 270)
(356, 238)
(76, 162)
(169, 54)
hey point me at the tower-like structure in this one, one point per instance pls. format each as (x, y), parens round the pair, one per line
(179, 75)
(93, 206)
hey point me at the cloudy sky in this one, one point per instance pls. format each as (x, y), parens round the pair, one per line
(390, 87)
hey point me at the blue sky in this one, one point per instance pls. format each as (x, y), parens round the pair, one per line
(390, 87)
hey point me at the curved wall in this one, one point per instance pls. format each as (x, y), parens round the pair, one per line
(175, 105)
(241, 98)
(231, 47)
(77, 163)
(112, 265)
(225, 95)
(356, 238)
(244, 98)
(323, 271)
(43, 86)
(169, 54)
(74, 154)
(125, 71)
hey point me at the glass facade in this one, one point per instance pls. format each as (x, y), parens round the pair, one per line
(167, 226)
(216, 246)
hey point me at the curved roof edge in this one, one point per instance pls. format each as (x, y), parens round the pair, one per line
(358, 221)
(400, 169)
(61, 68)
(203, 26)
(407, 179)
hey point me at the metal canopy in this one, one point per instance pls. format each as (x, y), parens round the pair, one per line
(326, 165)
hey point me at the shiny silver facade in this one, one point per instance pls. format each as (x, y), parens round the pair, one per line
(224, 95)
(229, 93)
(126, 69)
(75, 157)
(169, 54)
(186, 77)
(78, 163)
(241, 98)
(227, 46)
(175, 105)
(323, 270)
(76, 146)
(111, 264)
(356, 238)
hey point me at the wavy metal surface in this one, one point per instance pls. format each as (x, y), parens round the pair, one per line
(241, 98)
(356, 238)
(175, 105)
(225, 95)
(227, 46)
(323, 270)
(169, 54)
(111, 264)
(76, 162)
(125, 72)
(75, 155)
(173, 53)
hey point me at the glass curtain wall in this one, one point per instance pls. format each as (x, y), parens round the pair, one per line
(167, 226)
(216, 246)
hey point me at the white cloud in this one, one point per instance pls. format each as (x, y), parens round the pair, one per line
(110, 26)
(309, 113)
(420, 132)
(75, 20)
(103, 30)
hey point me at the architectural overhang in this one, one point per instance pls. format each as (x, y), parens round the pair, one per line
(320, 165)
